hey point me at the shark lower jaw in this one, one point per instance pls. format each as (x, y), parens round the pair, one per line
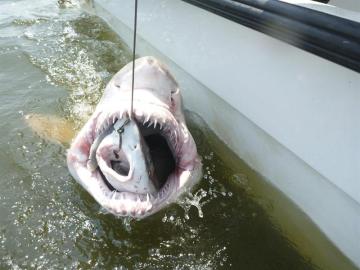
(159, 127)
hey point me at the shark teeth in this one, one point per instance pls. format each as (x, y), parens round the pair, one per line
(107, 120)
(159, 120)
(132, 205)
(148, 207)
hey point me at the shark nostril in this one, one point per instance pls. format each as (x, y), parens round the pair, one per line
(117, 85)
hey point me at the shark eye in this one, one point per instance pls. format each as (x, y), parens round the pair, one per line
(175, 91)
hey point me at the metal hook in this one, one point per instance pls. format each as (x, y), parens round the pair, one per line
(121, 130)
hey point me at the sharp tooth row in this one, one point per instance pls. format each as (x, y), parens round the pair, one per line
(148, 121)
(110, 119)
(124, 207)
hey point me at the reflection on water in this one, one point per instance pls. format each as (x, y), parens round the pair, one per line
(56, 60)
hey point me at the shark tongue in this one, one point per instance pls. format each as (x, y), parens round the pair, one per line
(124, 159)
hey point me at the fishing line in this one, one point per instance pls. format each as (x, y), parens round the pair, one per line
(120, 130)
(133, 60)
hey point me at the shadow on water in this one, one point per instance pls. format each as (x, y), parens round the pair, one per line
(57, 61)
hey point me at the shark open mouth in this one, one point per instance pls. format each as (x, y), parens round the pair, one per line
(159, 141)
(166, 160)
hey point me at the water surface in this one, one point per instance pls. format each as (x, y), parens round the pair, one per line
(56, 60)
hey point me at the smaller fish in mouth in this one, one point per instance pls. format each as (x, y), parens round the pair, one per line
(117, 152)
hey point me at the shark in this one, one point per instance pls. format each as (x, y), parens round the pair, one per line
(135, 160)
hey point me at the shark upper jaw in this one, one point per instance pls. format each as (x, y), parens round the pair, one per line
(152, 115)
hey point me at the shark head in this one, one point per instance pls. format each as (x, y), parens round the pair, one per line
(134, 164)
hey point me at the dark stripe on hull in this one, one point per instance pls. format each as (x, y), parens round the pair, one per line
(325, 35)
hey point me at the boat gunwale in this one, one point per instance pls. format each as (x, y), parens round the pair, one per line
(331, 37)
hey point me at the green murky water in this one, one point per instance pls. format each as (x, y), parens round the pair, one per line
(56, 60)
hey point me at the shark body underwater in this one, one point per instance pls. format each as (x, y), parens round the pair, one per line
(135, 164)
